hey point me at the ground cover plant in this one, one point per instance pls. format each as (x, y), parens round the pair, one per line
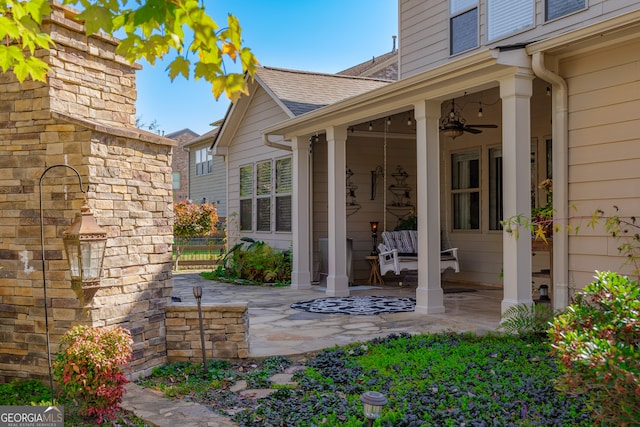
(33, 392)
(435, 380)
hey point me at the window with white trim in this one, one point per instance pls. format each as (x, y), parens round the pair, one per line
(557, 8)
(284, 189)
(263, 196)
(463, 25)
(465, 189)
(246, 197)
(508, 16)
(204, 161)
(495, 188)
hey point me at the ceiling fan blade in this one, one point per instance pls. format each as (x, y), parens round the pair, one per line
(482, 126)
(470, 130)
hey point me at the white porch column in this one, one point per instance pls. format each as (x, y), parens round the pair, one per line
(337, 280)
(429, 295)
(515, 92)
(301, 216)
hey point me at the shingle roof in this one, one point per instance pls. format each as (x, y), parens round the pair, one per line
(366, 68)
(303, 91)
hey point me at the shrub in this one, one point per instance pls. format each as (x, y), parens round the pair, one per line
(256, 262)
(90, 365)
(523, 319)
(597, 341)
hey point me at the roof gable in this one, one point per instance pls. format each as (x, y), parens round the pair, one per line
(300, 91)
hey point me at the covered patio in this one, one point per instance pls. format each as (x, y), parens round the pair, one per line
(324, 143)
(277, 329)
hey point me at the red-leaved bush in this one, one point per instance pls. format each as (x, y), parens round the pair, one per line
(90, 366)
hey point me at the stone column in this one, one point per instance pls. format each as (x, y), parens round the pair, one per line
(429, 295)
(301, 216)
(516, 91)
(337, 280)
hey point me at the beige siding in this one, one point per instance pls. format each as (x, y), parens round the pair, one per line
(424, 29)
(247, 148)
(604, 151)
(212, 186)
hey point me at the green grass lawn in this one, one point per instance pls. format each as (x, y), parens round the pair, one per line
(433, 380)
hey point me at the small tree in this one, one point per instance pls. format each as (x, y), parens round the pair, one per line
(191, 220)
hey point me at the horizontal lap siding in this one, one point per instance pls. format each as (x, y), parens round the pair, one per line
(604, 152)
(424, 29)
(247, 148)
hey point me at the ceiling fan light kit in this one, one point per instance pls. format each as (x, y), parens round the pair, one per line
(454, 125)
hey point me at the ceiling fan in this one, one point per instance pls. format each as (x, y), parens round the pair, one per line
(453, 124)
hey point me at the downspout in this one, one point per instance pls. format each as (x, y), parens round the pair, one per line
(560, 153)
(266, 142)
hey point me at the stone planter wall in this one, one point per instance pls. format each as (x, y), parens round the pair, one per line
(226, 331)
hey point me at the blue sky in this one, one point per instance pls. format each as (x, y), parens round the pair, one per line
(313, 35)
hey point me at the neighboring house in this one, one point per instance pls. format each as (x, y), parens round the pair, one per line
(180, 163)
(260, 184)
(207, 174)
(560, 80)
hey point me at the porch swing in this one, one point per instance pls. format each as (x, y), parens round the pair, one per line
(398, 250)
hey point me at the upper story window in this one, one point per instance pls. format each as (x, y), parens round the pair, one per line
(204, 161)
(556, 8)
(175, 180)
(463, 25)
(508, 16)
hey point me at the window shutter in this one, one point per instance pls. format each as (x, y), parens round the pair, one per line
(284, 177)
(263, 179)
(283, 213)
(263, 214)
(508, 16)
(246, 181)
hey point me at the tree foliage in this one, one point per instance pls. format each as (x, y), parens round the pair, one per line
(152, 30)
(191, 220)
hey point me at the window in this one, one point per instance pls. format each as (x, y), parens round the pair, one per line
(272, 195)
(463, 25)
(284, 188)
(175, 180)
(204, 161)
(263, 196)
(246, 197)
(508, 16)
(465, 186)
(556, 8)
(495, 188)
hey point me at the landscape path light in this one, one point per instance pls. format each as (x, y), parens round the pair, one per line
(197, 293)
(372, 403)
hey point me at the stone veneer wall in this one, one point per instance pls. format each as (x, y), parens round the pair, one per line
(226, 330)
(129, 177)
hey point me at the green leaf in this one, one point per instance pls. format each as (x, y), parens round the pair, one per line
(179, 66)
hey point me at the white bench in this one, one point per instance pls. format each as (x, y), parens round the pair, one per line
(399, 251)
